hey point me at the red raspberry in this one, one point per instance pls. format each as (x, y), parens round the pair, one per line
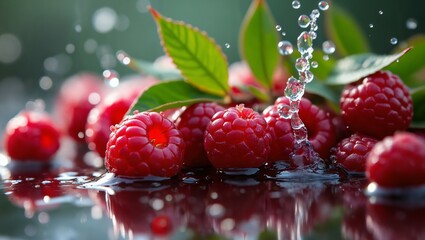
(192, 124)
(321, 132)
(237, 137)
(397, 161)
(145, 144)
(77, 96)
(31, 135)
(352, 152)
(111, 111)
(377, 105)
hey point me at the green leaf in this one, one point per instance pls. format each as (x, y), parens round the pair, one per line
(344, 31)
(323, 90)
(418, 96)
(259, 94)
(353, 68)
(148, 68)
(258, 42)
(170, 94)
(325, 67)
(412, 67)
(197, 56)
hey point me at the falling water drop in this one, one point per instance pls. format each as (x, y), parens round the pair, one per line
(328, 47)
(381, 12)
(393, 41)
(304, 21)
(301, 64)
(285, 47)
(227, 45)
(370, 25)
(296, 4)
(314, 64)
(278, 28)
(305, 43)
(323, 5)
(285, 111)
(283, 33)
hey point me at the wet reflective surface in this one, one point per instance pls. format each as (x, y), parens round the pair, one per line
(78, 201)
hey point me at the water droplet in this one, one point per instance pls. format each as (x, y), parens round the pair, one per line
(323, 5)
(314, 64)
(393, 41)
(45, 83)
(304, 21)
(157, 204)
(326, 57)
(411, 23)
(328, 47)
(313, 34)
(301, 134)
(296, 121)
(380, 12)
(283, 33)
(278, 28)
(301, 64)
(306, 76)
(296, 4)
(315, 14)
(294, 89)
(305, 43)
(227, 45)
(94, 98)
(284, 111)
(285, 47)
(111, 78)
(370, 25)
(123, 57)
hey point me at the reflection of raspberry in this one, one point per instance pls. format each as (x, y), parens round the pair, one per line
(237, 138)
(352, 152)
(378, 105)
(321, 131)
(145, 144)
(397, 161)
(31, 135)
(192, 124)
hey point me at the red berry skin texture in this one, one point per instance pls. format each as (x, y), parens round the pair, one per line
(352, 152)
(192, 124)
(110, 111)
(321, 131)
(76, 97)
(237, 137)
(31, 135)
(397, 161)
(145, 144)
(377, 105)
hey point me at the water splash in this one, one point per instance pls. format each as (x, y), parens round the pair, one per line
(285, 48)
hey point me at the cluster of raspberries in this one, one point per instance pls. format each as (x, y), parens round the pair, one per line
(370, 135)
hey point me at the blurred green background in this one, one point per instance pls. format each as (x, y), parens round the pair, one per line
(45, 41)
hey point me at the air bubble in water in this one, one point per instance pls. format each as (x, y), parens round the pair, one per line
(301, 64)
(278, 28)
(393, 41)
(323, 5)
(304, 21)
(328, 47)
(285, 47)
(314, 64)
(296, 4)
(411, 23)
(305, 43)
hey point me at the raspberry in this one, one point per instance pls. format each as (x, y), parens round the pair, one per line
(352, 152)
(77, 96)
(31, 135)
(111, 111)
(145, 144)
(321, 132)
(377, 105)
(192, 124)
(237, 137)
(397, 161)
